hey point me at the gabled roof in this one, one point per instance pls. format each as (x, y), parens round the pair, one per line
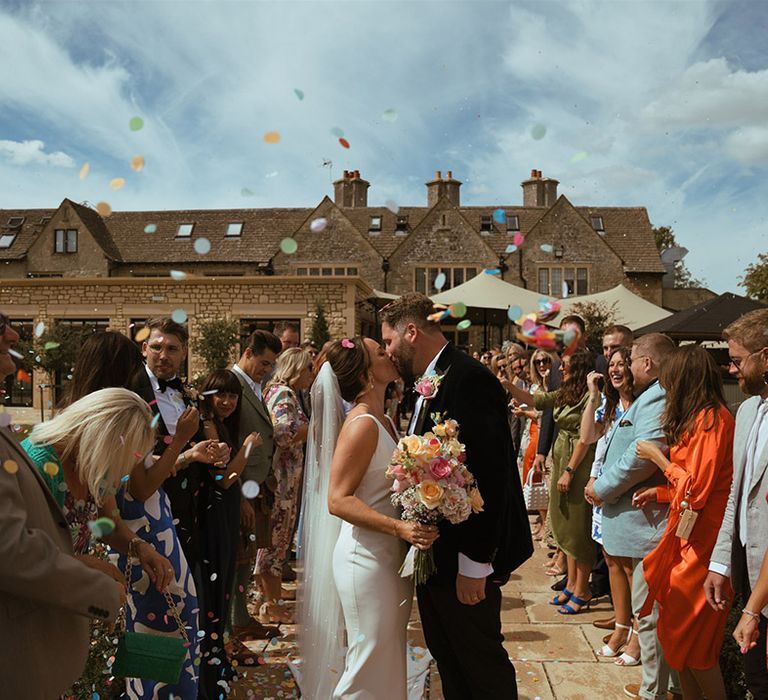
(97, 228)
(34, 222)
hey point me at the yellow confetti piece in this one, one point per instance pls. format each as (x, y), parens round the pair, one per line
(104, 209)
(10, 466)
(51, 468)
(142, 335)
(85, 170)
(137, 163)
(117, 183)
(272, 137)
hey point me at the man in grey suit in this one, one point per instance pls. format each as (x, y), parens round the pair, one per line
(743, 537)
(258, 358)
(630, 532)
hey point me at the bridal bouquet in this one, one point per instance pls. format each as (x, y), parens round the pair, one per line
(431, 482)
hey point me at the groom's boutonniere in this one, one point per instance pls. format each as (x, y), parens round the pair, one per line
(427, 386)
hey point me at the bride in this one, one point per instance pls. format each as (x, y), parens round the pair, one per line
(362, 535)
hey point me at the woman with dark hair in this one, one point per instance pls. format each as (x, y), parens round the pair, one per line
(570, 515)
(699, 469)
(602, 413)
(220, 396)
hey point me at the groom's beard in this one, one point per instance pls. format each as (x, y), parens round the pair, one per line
(403, 361)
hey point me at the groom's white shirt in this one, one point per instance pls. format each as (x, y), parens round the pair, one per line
(467, 567)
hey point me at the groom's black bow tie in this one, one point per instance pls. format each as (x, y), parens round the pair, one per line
(174, 383)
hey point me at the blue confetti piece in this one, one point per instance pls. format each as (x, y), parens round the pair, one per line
(511, 248)
(155, 420)
(492, 271)
(500, 216)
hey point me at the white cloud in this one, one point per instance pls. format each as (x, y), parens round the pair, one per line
(33, 153)
(749, 145)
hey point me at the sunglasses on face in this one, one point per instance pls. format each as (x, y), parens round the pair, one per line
(542, 361)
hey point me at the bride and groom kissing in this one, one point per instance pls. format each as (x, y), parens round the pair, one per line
(353, 541)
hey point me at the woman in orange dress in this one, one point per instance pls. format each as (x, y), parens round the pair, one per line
(699, 428)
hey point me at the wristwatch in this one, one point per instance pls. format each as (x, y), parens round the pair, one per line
(569, 470)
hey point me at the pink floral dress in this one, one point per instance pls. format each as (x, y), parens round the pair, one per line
(287, 465)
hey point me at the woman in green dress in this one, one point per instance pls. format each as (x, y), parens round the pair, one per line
(570, 514)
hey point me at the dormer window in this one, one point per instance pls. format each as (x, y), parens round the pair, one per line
(513, 222)
(486, 223)
(401, 225)
(15, 222)
(374, 225)
(65, 240)
(234, 229)
(597, 224)
(184, 230)
(7, 239)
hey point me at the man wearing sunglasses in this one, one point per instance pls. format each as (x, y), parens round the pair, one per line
(47, 595)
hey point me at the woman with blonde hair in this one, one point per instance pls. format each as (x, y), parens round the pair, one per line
(293, 374)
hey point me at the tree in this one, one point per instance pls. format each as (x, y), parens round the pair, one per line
(665, 239)
(216, 342)
(320, 334)
(597, 317)
(755, 279)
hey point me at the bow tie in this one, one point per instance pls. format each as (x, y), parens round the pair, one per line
(174, 383)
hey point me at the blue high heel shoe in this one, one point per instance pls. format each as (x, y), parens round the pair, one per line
(566, 609)
(557, 600)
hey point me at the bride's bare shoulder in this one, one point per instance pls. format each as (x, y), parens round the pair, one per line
(358, 432)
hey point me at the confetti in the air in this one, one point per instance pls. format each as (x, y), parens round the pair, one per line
(500, 216)
(577, 157)
(272, 137)
(178, 274)
(538, 132)
(289, 246)
(298, 93)
(179, 316)
(518, 239)
(101, 527)
(85, 170)
(546, 247)
(514, 313)
(458, 309)
(318, 225)
(136, 124)
(104, 209)
(202, 246)
(389, 115)
(251, 489)
(39, 329)
(10, 466)
(492, 271)
(150, 228)
(392, 206)
(464, 324)
(137, 163)
(50, 345)
(142, 335)
(245, 192)
(440, 281)
(117, 183)
(344, 143)
(511, 248)
(51, 468)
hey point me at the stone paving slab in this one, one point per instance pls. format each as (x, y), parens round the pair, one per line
(538, 642)
(584, 681)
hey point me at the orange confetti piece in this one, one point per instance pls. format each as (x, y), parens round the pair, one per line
(22, 376)
(85, 170)
(117, 183)
(137, 163)
(104, 209)
(142, 335)
(344, 142)
(10, 466)
(272, 137)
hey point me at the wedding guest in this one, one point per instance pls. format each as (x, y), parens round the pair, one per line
(569, 513)
(257, 359)
(48, 595)
(293, 373)
(743, 537)
(628, 531)
(699, 430)
(615, 337)
(289, 334)
(602, 414)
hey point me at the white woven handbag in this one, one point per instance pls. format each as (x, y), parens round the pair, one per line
(536, 493)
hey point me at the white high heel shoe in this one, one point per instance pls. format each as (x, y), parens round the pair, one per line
(626, 659)
(609, 653)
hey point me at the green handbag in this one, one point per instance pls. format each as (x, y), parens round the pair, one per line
(150, 656)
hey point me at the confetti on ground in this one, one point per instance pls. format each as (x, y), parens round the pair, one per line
(202, 246)
(318, 225)
(514, 312)
(137, 163)
(39, 329)
(389, 115)
(538, 132)
(179, 316)
(51, 468)
(546, 247)
(104, 209)
(178, 274)
(101, 527)
(10, 466)
(335, 131)
(463, 325)
(50, 345)
(289, 246)
(150, 228)
(272, 137)
(500, 216)
(298, 93)
(251, 489)
(458, 309)
(392, 206)
(142, 335)
(117, 183)
(440, 281)
(136, 124)
(85, 170)
(344, 143)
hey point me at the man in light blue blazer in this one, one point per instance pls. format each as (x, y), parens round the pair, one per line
(629, 532)
(743, 537)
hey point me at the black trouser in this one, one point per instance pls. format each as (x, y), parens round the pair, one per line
(466, 642)
(755, 668)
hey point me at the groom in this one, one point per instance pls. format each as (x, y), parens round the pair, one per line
(460, 605)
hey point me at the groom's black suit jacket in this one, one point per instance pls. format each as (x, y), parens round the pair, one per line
(501, 534)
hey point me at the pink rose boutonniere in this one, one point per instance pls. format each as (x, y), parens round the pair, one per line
(428, 386)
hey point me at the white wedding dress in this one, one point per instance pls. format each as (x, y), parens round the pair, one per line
(375, 599)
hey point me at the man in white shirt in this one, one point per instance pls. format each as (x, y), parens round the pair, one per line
(743, 537)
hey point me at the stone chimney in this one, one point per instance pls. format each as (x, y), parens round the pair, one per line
(351, 191)
(440, 187)
(539, 191)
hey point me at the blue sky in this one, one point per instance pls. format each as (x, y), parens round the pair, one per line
(655, 104)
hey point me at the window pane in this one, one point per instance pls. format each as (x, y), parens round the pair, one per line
(420, 284)
(185, 230)
(470, 273)
(556, 282)
(301, 271)
(314, 271)
(458, 276)
(352, 271)
(569, 282)
(6, 240)
(59, 240)
(72, 241)
(543, 280)
(513, 222)
(234, 229)
(327, 271)
(582, 281)
(338, 271)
